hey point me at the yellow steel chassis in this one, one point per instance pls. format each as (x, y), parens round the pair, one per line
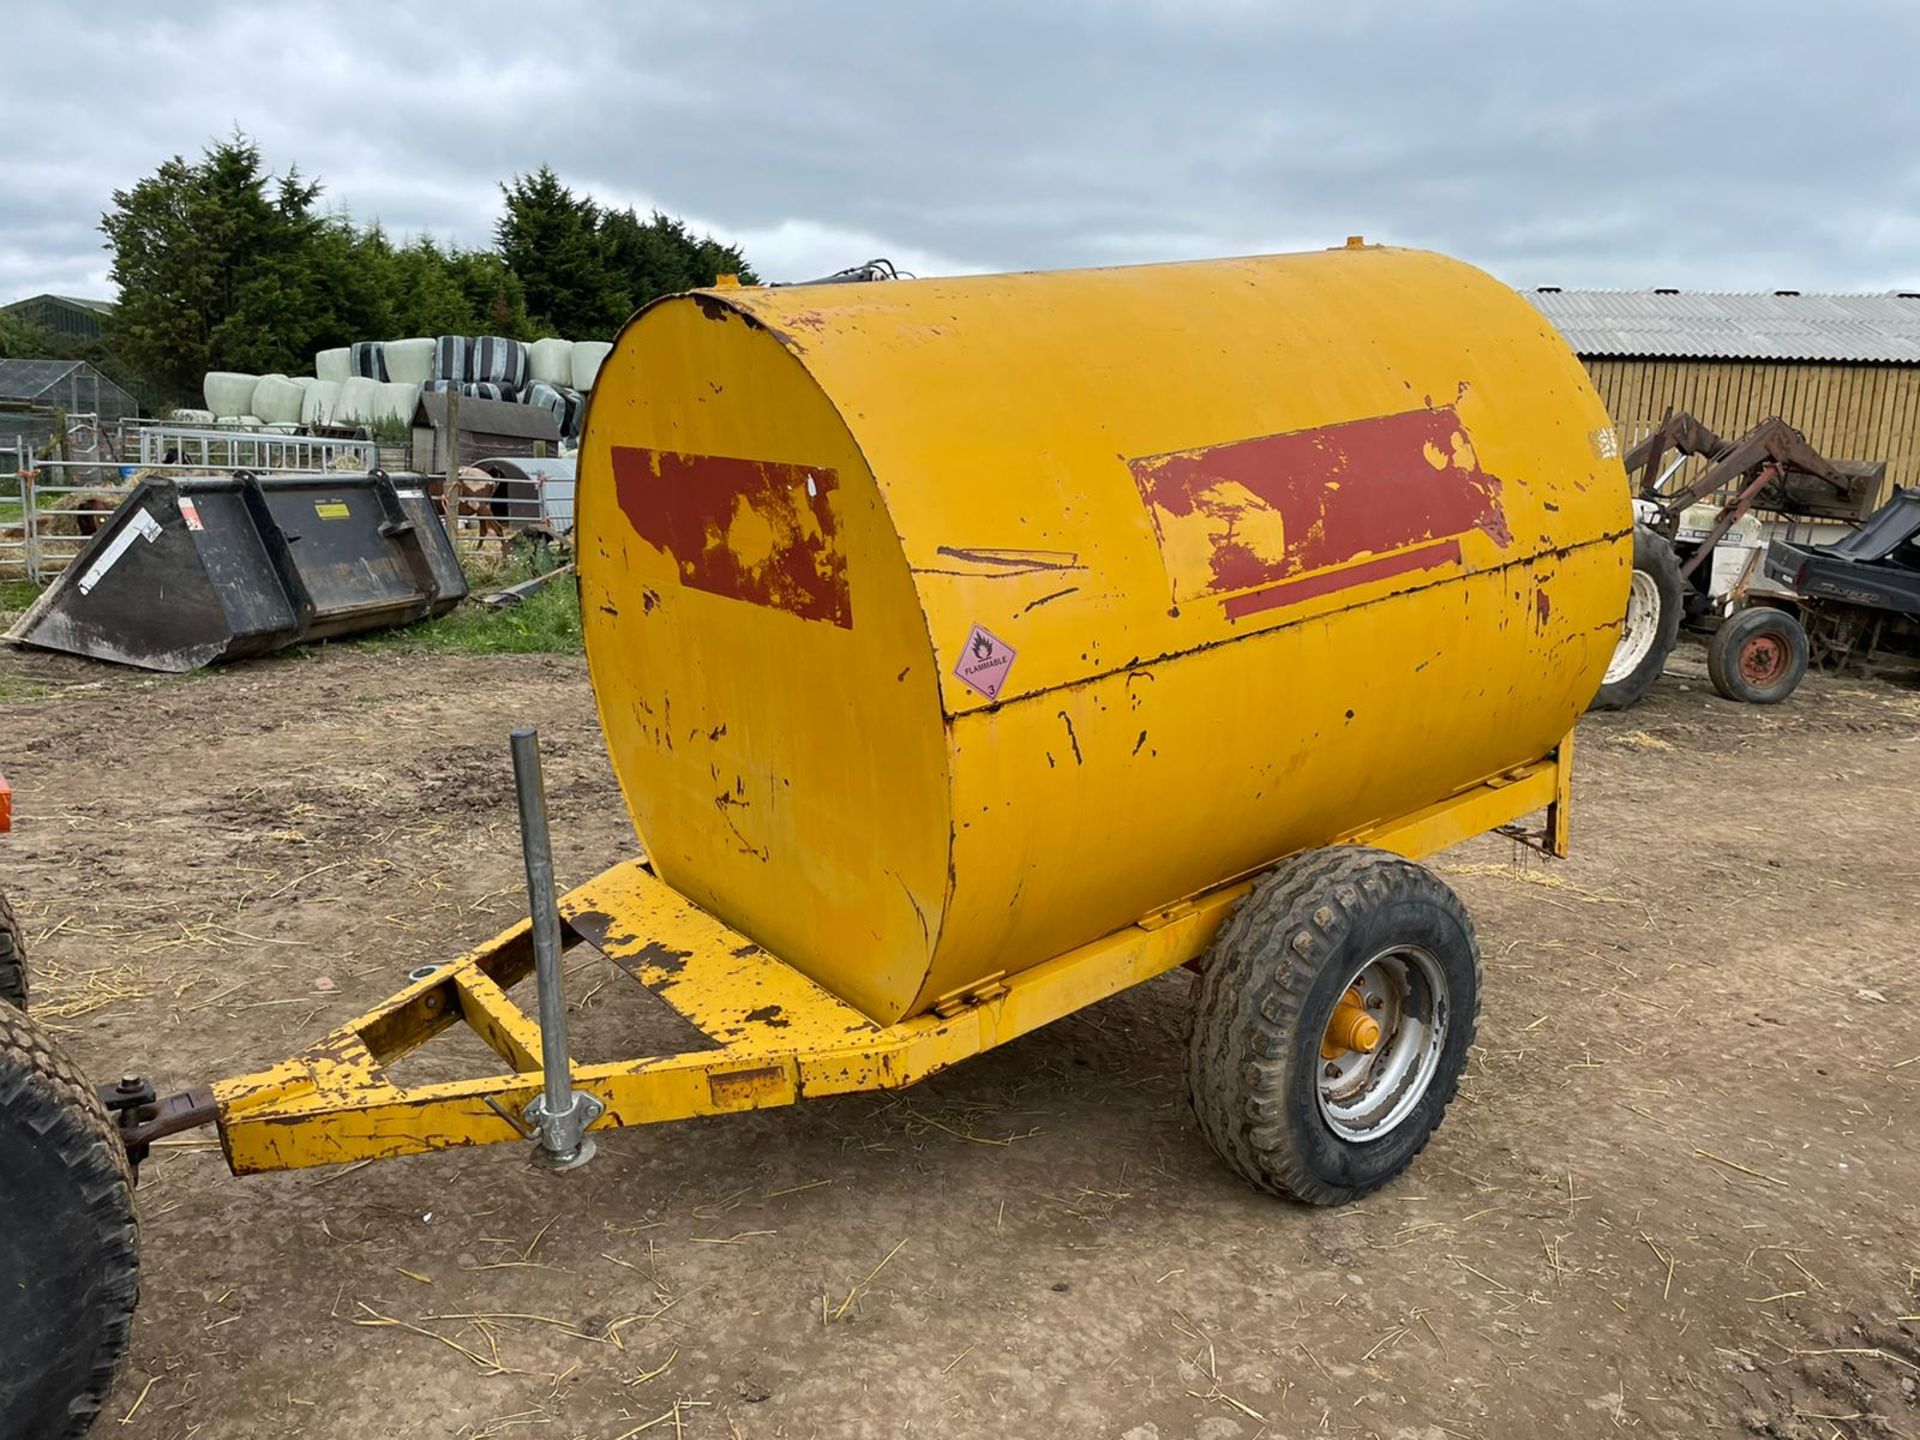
(778, 1036)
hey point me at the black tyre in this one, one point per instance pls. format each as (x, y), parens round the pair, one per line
(1758, 656)
(69, 1252)
(13, 958)
(1655, 604)
(1274, 1081)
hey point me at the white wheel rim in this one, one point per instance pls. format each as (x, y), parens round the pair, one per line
(1366, 1095)
(1637, 631)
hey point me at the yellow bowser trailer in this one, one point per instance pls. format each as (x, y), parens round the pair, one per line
(970, 650)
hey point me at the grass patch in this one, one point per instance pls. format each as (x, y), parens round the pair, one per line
(12, 690)
(547, 623)
(15, 597)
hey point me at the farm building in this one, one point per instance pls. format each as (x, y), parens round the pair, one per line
(1842, 369)
(64, 315)
(31, 391)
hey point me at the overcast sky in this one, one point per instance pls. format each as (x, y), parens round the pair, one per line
(1755, 145)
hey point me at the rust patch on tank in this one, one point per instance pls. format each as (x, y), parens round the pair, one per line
(761, 531)
(1283, 518)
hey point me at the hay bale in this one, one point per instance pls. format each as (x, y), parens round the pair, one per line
(190, 417)
(587, 355)
(396, 401)
(560, 401)
(410, 362)
(335, 365)
(450, 358)
(228, 392)
(369, 360)
(276, 400)
(357, 402)
(551, 362)
(495, 360)
(318, 401)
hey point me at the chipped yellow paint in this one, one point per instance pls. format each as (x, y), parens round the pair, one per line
(778, 1036)
(1015, 453)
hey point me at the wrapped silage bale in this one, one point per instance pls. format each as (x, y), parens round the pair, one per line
(229, 392)
(397, 400)
(560, 401)
(369, 359)
(495, 360)
(303, 381)
(469, 389)
(450, 358)
(238, 422)
(551, 361)
(410, 362)
(357, 401)
(334, 365)
(276, 400)
(190, 417)
(587, 355)
(318, 401)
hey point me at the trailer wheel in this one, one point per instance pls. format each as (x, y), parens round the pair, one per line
(1655, 603)
(69, 1252)
(1758, 656)
(13, 958)
(1331, 1023)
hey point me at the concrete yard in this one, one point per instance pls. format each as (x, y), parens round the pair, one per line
(1678, 1194)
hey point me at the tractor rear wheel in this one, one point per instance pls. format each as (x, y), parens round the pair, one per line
(13, 958)
(1331, 1023)
(69, 1250)
(1651, 626)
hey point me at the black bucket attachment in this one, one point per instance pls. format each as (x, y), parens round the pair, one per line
(189, 571)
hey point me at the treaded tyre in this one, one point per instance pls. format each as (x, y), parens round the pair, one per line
(1649, 628)
(1325, 941)
(69, 1251)
(1759, 656)
(13, 958)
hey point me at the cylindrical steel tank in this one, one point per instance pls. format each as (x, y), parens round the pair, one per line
(940, 626)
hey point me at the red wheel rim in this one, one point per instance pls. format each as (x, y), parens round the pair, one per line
(1763, 659)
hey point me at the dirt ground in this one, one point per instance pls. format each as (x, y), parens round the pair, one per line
(1678, 1194)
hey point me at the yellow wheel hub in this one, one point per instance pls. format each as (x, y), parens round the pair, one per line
(1351, 1028)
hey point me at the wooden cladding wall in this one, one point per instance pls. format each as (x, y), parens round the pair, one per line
(1848, 412)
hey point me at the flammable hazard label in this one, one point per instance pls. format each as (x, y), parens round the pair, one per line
(984, 662)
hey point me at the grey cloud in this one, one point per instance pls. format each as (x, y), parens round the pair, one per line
(1714, 146)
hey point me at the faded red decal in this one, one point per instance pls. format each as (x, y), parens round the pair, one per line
(1283, 518)
(754, 530)
(1291, 592)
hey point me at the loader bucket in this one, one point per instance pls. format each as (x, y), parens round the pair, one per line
(190, 571)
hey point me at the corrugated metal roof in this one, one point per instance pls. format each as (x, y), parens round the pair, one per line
(1863, 329)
